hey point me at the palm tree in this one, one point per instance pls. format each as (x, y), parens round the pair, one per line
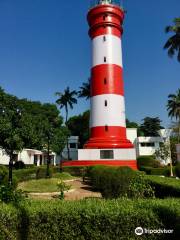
(65, 100)
(85, 90)
(173, 107)
(173, 43)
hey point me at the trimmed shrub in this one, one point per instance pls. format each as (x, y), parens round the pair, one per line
(147, 161)
(164, 187)
(117, 182)
(163, 171)
(25, 174)
(19, 165)
(75, 171)
(89, 219)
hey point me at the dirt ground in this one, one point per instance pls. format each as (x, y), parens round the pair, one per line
(79, 190)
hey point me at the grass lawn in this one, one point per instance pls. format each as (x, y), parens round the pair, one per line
(44, 185)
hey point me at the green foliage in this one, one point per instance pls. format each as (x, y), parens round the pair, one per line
(25, 174)
(151, 126)
(4, 177)
(62, 186)
(8, 194)
(119, 182)
(140, 187)
(79, 126)
(41, 173)
(74, 171)
(164, 186)
(173, 43)
(147, 161)
(19, 165)
(177, 170)
(163, 171)
(89, 219)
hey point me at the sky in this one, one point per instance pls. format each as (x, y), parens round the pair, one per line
(45, 47)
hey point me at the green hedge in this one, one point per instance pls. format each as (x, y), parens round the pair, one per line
(115, 182)
(164, 187)
(147, 161)
(163, 171)
(89, 219)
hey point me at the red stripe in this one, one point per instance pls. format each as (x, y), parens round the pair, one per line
(130, 163)
(104, 30)
(113, 132)
(105, 19)
(113, 137)
(107, 78)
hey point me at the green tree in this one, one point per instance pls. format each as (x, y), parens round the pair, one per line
(151, 126)
(11, 127)
(173, 107)
(173, 43)
(65, 100)
(85, 90)
(79, 126)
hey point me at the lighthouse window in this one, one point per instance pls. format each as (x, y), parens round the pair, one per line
(104, 38)
(104, 17)
(106, 154)
(104, 59)
(105, 81)
(106, 128)
(105, 103)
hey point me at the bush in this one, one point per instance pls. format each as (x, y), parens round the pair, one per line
(164, 187)
(117, 182)
(75, 171)
(89, 219)
(19, 165)
(147, 161)
(163, 171)
(41, 172)
(25, 174)
(177, 170)
(4, 176)
(8, 194)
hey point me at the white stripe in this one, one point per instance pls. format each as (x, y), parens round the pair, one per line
(110, 48)
(119, 154)
(111, 115)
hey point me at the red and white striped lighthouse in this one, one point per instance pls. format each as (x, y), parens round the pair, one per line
(108, 144)
(107, 123)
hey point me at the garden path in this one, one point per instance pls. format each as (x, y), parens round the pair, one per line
(80, 190)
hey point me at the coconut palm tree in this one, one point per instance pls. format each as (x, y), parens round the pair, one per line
(173, 43)
(65, 100)
(173, 107)
(85, 90)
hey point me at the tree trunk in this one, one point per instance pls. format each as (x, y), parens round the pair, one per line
(67, 144)
(10, 169)
(48, 160)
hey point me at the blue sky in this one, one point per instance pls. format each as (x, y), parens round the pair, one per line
(44, 47)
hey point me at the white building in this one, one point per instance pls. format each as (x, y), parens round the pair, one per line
(144, 146)
(28, 156)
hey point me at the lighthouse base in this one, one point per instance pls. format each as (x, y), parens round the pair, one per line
(110, 157)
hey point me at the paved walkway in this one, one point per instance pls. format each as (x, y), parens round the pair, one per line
(79, 190)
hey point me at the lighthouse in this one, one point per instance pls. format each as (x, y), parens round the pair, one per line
(108, 143)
